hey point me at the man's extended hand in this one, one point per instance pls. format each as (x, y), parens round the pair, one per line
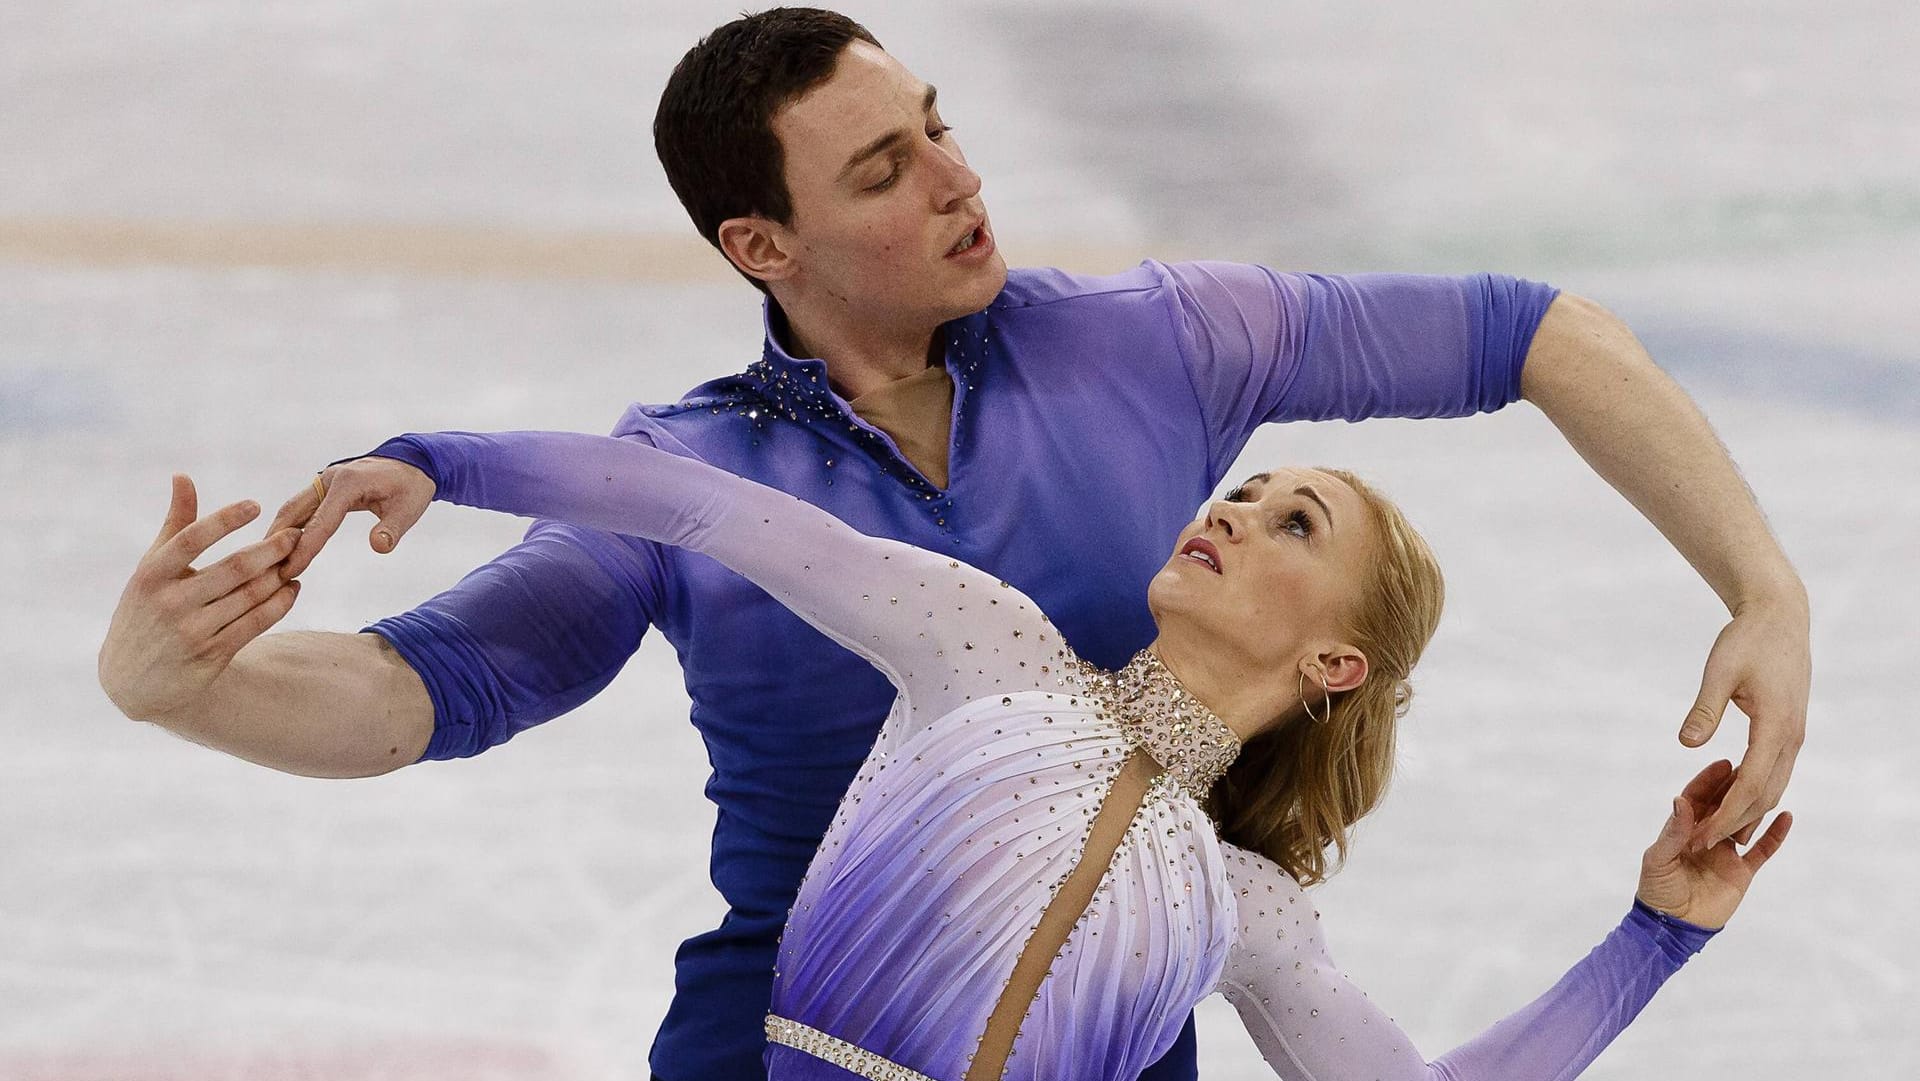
(176, 628)
(394, 490)
(1761, 662)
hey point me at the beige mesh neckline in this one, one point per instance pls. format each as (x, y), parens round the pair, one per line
(1147, 700)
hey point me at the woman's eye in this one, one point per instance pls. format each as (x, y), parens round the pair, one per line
(1303, 520)
(1237, 496)
(939, 132)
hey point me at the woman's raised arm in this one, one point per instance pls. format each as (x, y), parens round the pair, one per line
(1312, 1024)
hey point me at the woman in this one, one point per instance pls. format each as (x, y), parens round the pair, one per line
(1023, 879)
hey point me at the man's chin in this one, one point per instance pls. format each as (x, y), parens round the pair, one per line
(982, 291)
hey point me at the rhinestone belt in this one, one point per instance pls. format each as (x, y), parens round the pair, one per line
(837, 1051)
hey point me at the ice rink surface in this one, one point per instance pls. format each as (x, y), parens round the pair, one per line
(240, 240)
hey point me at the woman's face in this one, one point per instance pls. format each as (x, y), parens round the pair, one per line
(1265, 576)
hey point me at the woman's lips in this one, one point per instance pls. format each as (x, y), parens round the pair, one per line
(1201, 547)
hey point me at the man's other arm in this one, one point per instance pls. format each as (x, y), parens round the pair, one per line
(315, 703)
(1265, 346)
(524, 638)
(1640, 432)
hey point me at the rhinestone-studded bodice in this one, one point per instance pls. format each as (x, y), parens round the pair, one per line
(954, 839)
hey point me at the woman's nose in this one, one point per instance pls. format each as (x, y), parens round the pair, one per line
(1220, 514)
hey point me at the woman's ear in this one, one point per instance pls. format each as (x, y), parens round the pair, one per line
(1343, 667)
(758, 246)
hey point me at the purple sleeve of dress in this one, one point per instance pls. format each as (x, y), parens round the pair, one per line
(528, 636)
(1312, 1024)
(1263, 345)
(844, 583)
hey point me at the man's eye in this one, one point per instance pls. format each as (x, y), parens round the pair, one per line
(939, 132)
(888, 182)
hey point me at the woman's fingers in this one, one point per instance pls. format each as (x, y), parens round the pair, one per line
(343, 498)
(1709, 782)
(296, 510)
(1769, 842)
(395, 519)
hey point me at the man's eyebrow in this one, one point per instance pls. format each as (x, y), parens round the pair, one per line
(889, 140)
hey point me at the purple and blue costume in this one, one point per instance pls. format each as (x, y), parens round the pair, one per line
(982, 795)
(1103, 408)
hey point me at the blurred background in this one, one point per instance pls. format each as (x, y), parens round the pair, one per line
(240, 240)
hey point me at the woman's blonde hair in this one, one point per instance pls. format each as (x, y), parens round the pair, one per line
(1299, 788)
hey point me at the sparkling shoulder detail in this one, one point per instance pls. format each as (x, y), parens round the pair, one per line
(1149, 702)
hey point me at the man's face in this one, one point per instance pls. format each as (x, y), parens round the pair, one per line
(881, 196)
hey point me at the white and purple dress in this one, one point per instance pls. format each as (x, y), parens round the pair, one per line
(979, 801)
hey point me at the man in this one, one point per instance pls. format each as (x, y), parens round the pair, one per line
(1055, 430)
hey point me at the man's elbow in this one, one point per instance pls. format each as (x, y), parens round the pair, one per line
(1577, 341)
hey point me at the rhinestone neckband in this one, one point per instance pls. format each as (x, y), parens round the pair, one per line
(854, 1060)
(1147, 700)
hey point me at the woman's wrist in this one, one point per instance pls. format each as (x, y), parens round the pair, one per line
(1673, 919)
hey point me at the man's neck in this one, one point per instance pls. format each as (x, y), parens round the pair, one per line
(859, 358)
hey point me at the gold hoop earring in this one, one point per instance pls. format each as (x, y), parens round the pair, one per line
(1326, 696)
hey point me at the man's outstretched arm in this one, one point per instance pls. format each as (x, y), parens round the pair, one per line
(185, 651)
(1265, 346)
(1642, 434)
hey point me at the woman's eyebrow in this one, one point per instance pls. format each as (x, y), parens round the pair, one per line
(1315, 496)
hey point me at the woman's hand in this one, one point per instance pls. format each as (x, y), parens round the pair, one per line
(1704, 887)
(394, 490)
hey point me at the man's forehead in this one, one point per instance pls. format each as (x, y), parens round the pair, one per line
(868, 92)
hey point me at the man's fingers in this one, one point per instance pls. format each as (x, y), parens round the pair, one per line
(212, 583)
(239, 599)
(1708, 707)
(1741, 803)
(254, 622)
(182, 504)
(1769, 842)
(1770, 794)
(175, 556)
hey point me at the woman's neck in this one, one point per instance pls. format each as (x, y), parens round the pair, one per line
(1248, 704)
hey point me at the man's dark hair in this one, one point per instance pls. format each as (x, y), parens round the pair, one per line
(714, 128)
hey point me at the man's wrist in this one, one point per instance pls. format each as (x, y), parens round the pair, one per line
(1786, 595)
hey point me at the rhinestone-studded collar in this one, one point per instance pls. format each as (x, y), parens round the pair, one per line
(798, 390)
(1147, 700)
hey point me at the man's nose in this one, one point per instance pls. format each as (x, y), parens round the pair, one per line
(959, 182)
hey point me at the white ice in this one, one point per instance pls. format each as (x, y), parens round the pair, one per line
(1741, 184)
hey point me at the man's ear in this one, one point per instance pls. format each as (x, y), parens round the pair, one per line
(760, 247)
